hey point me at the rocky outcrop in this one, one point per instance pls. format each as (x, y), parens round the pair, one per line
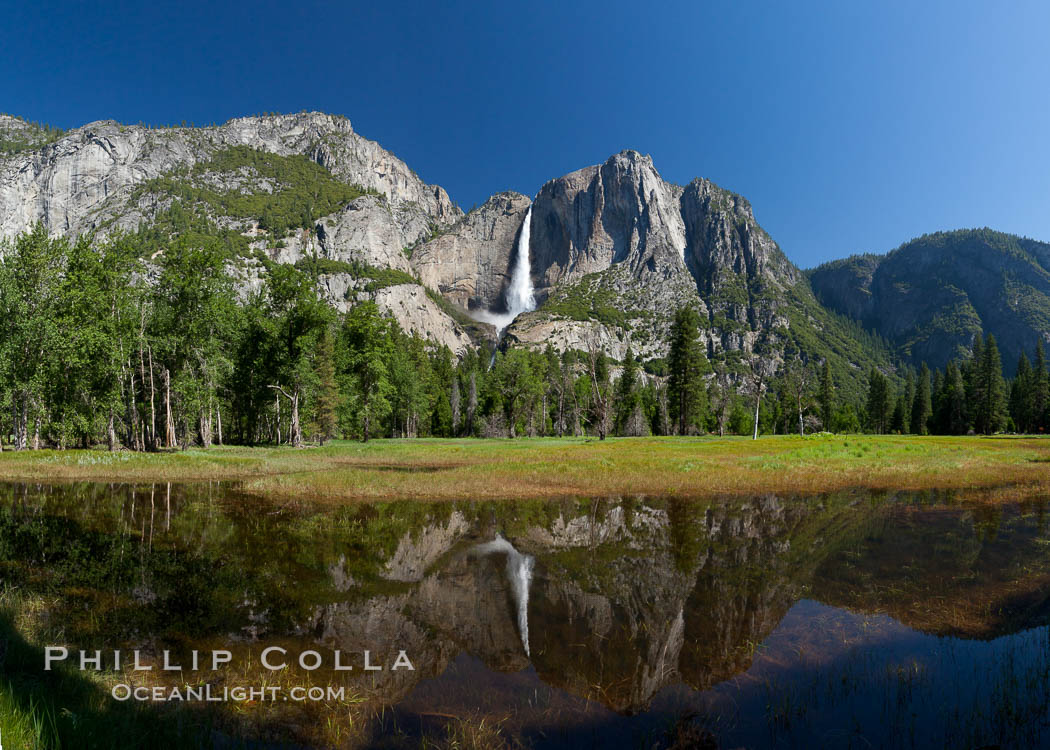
(87, 177)
(593, 218)
(412, 308)
(471, 262)
(374, 232)
(540, 329)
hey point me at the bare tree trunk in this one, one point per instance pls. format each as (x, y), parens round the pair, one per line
(218, 423)
(758, 403)
(472, 403)
(204, 427)
(561, 409)
(111, 432)
(130, 413)
(152, 406)
(296, 435)
(169, 423)
(454, 403)
(18, 421)
(277, 419)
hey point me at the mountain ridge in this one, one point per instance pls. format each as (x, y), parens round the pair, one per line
(615, 249)
(931, 295)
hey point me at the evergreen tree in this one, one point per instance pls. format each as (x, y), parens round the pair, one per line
(951, 412)
(899, 420)
(922, 406)
(1021, 395)
(971, 374)
(327, 400)
(686, 364)
(367, 341)
(827, 397)
(909, 401)
(627, 395)
(1040, 390)
(990, 391)
(879, 402)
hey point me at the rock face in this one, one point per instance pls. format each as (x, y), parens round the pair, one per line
(931, 296)
(413, 309)
(471, 263)
(72, 184)
(617, 244)
(619, 212)
(373, 231)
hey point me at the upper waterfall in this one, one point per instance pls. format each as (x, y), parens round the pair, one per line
(520, 295)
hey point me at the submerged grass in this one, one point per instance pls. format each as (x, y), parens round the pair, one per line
(555, 467)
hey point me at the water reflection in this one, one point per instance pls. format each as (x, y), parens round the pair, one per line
(863, 619)
(519, 576)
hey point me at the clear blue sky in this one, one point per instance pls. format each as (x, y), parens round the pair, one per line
(851, 126)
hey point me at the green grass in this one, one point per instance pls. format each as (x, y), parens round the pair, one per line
(65, 708)
(551, 467)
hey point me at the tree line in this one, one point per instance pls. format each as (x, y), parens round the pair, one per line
(113, 343)
(970, 396)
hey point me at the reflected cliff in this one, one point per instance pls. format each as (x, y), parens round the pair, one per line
(612, 615)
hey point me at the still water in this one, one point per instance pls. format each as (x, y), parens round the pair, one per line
(847, 620)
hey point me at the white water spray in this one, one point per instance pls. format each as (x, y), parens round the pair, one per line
(519, 575)
(520, 293)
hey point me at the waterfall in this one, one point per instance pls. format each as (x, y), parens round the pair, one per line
(519, 575)
(520, 293)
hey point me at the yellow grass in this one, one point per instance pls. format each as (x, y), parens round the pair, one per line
(532, 468)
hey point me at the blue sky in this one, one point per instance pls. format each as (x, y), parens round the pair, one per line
(851, 126)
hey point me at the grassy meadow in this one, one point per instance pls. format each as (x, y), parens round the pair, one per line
(437, 469)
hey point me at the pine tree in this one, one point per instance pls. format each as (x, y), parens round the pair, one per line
(952, 417)
(1040, 390)
(922, 407)
(879, 400)
(971, 373)
(687, 364)
(454, 402)
(1021, 393)
(990, 416)
(899, 421)
(909, 401)
(827, 396)
(327, 389)
(626, 392)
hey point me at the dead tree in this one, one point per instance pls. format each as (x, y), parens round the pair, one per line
(295, 433)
